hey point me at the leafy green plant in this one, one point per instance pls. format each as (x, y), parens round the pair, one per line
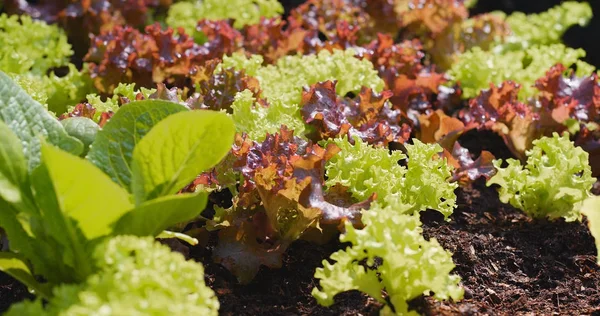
(112, 150)
(29, 119)
(554, 182)
(476, 69)
(282, 85)
(135, 276)
(547, 27)
(411, 264)
(285, 79)
(533, 46)
(365, 170)
(46, 46)
(83, 129)
(123, 90)
(186, 14)
(30, 50)
(57, 211)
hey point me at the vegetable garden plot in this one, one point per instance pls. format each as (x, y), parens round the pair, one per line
(350, 156)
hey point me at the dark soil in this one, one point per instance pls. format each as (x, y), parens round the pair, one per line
(284, 291)
(511, 264)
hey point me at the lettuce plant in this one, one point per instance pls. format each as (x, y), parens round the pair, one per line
(282, 85)
(423, 183)
(186, 14)
(476, 69)
(547, 27)
(257, 120)
(28, 46)
(29, 50)
(286, 78)
(411, 265)
(533, 46)
(53, 204)
(54, 92)
(123, 90)
(135, 276)
(554, 182)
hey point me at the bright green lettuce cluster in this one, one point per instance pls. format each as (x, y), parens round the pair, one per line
(257, 120)
(282, 84)
(547, 27)
(112, 104)
(285, 79)
(186, 14)
(524, 56)
(56, 93)
(365, 170)
(29, 49)
(411, 265)
(476, 69)
(136, 276)
(555, 181)
(31, 46)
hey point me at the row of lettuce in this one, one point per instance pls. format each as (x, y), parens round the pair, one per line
(299, 133)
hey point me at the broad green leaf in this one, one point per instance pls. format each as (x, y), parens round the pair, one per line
(17, 229)
(591, 209)
(152, 217)
(13, 166)
(177, 149)
(113, 148)
(84, 192)
(62, 249)
(15, 266)
(81, 128)
(28, 119)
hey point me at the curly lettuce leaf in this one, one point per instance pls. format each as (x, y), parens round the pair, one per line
(285, 79)
(476, 69)
(290, 74)
(257, 120)
(547, 27)
(282, 85)
(369, 115)
(427, 179)
(412, 265)
(123, 90)
(54, 92)
(29, 46)
(366, 170)
(136, 276)
(555, 181)
(186, 14)
(29, 51)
